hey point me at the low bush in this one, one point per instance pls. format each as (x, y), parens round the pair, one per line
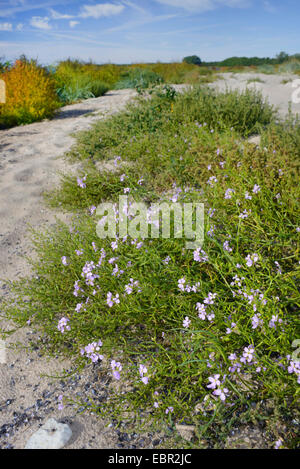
(248, 113)
(30, 94)
(138, 78)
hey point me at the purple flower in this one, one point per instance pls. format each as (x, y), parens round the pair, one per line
(200, 258)
(214, 382)
(169, 409)
(91, 351)
(251, 259)
(244, 214)
(226, 246)
(256, 189)
(212, 181)
(209, 300)
(278, 444)
(221, 392)
(60, 405)
(256, 321)
(114, 245)
(247, 354)
(229, 193)
(142, 371)
(116, 368)
(63, 325)
(181, 283)
(64, 260)
(211, 212)
(186, 323)
(81, 183)
(201, 310)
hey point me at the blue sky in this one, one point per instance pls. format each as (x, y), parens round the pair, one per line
(126, 31)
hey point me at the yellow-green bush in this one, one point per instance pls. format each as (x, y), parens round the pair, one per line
(30, 94)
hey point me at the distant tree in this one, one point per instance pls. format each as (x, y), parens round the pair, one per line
(282, 57)
(192, 59)
(295, 56)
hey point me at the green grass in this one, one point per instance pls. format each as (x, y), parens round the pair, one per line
(171, 146)
(255, 80)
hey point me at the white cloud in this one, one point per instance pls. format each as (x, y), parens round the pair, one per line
(59, 16)
(5, 27)
(200, 6)
(40, 23)
(73, 23)
(101, 9)
(19, 27)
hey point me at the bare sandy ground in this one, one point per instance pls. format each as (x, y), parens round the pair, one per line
(28, 166)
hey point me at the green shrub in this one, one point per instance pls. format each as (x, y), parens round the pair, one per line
(248, 113)
(139, 79)
(289, 67)
(192, 59)
(267, 68)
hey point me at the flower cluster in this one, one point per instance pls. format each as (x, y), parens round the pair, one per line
(294, 367)
(87, 273)
(218, 389)
(110, 300)
(251, 259)
(187, 288)
(91, 351)
(63, 325)
(131, 285)
(143, 371)
(116, 368)
(200, 258)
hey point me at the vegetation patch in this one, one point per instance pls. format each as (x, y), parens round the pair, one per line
(202, 337)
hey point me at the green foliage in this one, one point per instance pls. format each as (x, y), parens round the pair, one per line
(247, 113)
(171, 147)
(282, 57)
(75, 82)
(30, 94)
(290, 67)
(253, 61)
(268, 69)
(192, 59)
(138, 78)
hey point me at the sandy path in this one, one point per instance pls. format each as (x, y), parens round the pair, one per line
(28, 166)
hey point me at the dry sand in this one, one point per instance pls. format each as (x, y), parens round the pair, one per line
(28, 167)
